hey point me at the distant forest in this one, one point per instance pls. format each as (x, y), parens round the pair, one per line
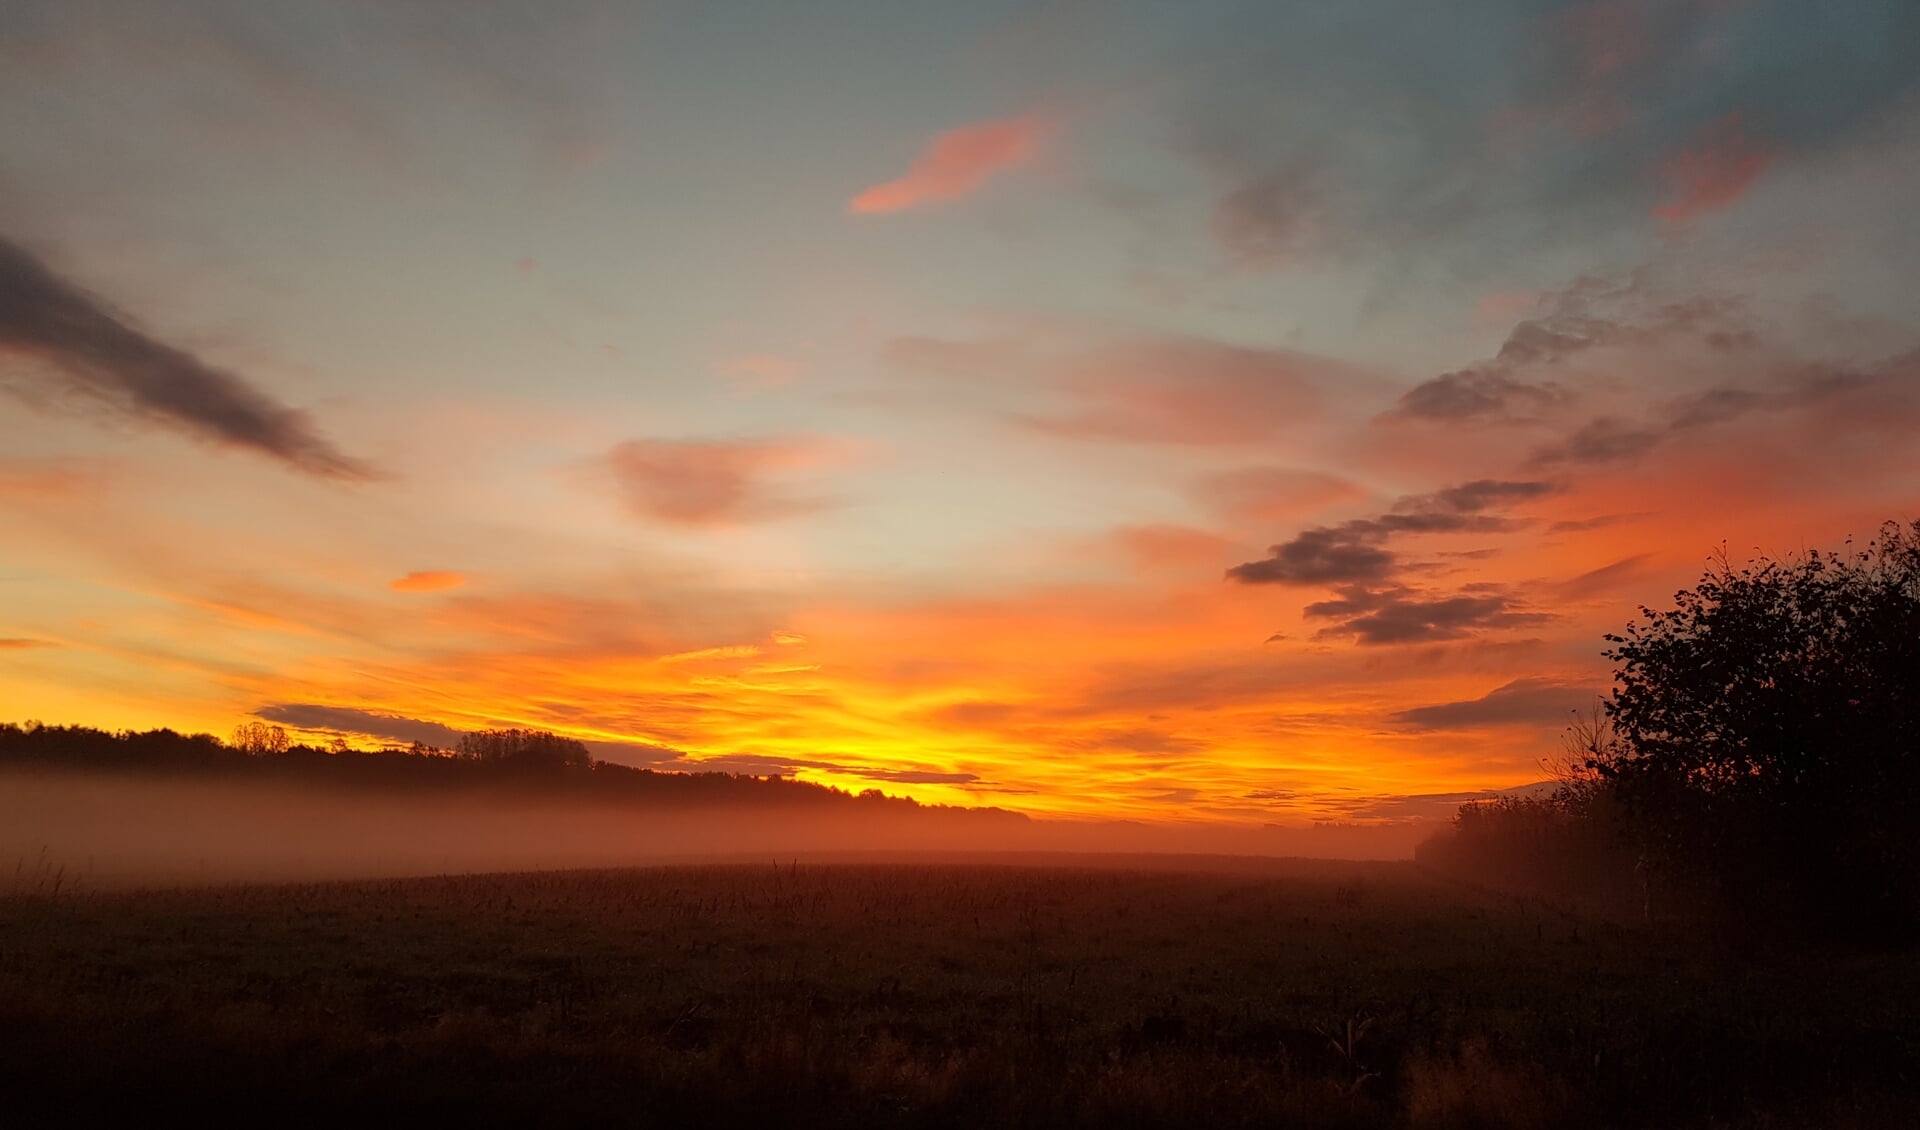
(521, 762)
(1757, 764)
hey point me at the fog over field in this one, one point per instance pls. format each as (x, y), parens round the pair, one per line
(113, 830)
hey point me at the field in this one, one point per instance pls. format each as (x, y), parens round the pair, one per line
(1142, 993)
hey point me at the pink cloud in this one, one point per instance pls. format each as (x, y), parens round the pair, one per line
(1502, 307)
(1713, 173)
(1083, 383)
(1189, 391)
(1273, 494)
(763, 370)
(954, 164)
(711, 483)
(1159, 548)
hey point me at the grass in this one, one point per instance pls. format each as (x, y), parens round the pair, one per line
(1290, 993)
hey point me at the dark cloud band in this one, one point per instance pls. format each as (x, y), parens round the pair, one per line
(97, 352)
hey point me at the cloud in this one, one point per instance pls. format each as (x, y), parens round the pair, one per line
(759, 766)
(1167, 547)
(1715, 406)
(1539, 131)
(432, 580)
(1273, 217)
(348, 720)
(915, 776)
(1610, 439)
(1089, 383)
(1604, 439)
(96, 351)
(975, 715)
(1272, 795)
(760, 370)
(1373, 608)
(1503, 306)
(1648, 367)
(1591, 315)
(1399, 615)
(1713, 173)
(1271, 494)
(1324, 555)
(1599, 522)
(1473, 497)
(1606, 578)
(955, 163)
(1142, 739)
(45, 479)
(710, 482)
(1426, 806)
(15, 643)
(1477, 393)
(1355, 552)
(1523, 702)
(1177, 390)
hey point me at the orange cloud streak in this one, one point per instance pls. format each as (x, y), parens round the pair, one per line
(954, 164)
(431, 580)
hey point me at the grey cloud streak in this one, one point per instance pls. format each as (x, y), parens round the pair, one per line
(1400, 615)
(92, 349)
(348, 720)
(1522, 702)
(1373, 608)
(1591, 314)
(1356, 551)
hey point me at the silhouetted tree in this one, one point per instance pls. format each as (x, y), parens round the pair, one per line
(526, 749)
(1767, 731)
(259, 738)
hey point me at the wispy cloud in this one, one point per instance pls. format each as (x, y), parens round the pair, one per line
(16, 643)
(1713, 173)
(432, 580)
(1089, 383)
(349, 720)
(956, 163)
(712, 482)
(1272, 494)
(50, 479)
(761, 370)
(1526, 378)
(1521, 702)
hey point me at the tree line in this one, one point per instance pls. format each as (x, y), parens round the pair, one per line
(519, 762)
(1758, 759)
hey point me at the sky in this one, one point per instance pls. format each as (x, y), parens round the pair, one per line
(1236, 412)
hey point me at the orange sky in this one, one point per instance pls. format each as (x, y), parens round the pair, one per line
(1161, 419)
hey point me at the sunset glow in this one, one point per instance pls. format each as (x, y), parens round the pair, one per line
(1143, 413)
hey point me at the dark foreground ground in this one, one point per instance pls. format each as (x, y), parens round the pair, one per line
(1274, 994)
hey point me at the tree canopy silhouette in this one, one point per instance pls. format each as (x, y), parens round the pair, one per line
(1768, 727)
(506, 763)
(534, 749)
(1759, 756)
